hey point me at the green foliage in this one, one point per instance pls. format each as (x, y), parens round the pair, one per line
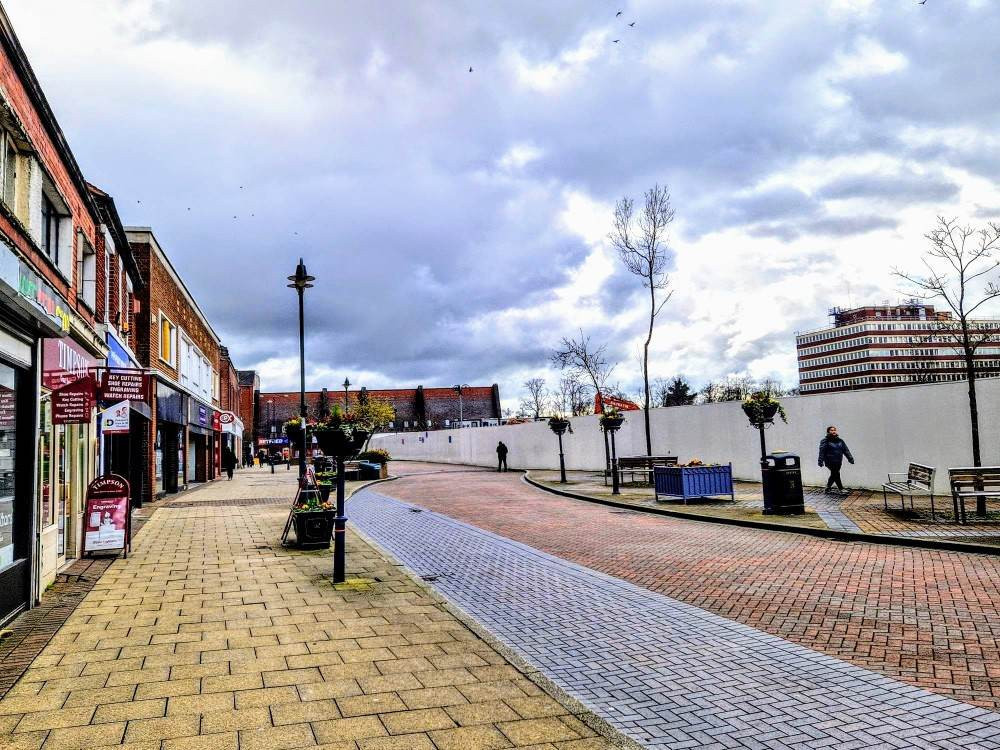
(375, 455)
(758, 405)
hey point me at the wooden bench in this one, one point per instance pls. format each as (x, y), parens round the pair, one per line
(642, 465)
(973, 481)
(918, 480)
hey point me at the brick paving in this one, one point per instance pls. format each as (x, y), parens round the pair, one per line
(669, 674)
(211, 635)
(929, 618)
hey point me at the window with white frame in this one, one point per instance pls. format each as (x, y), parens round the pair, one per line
(86, 274)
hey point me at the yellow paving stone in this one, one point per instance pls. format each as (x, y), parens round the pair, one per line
(187, 686)
(8, 722)
(406, 742)
(164, 728)
(329, 689)
(265, 696)
(138, 676)
(535, 731)
(591, 743)
(257, 665)
(367, 654)
(470, 738)
(432, 697)
(355, 728)
(128, 710)
(25, 741)
(222, 683)
(277, 738)
(378, 703)
(288, 649)
(292, 677)
(231, 721)
(97, 696)
(388, 683)
(103, 666)
(146, 650)
(314, 660)
(215, 741)
(152, 745)
(424, 720)
(24, 703)
(73, 738)
(577, 726)
(298, 713)
(444, 677)
(44, 674)
(395, 666)
(184, 671)
(535, 707)
(200, 704)
(65, 717)
(343, 671)
(489, 712)
(477, 692)
(227, 654)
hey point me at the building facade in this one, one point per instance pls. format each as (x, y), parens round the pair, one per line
(229, 405)
(249, 400)
(881, 346)
(51, 298)
(181, 352)
(416, 408)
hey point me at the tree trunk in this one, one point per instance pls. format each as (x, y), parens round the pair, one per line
(970, 373)
(645, 366)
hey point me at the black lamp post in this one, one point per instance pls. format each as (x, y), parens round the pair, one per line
(300, 282)
(611, 425)
(559, 426)
(461, 414)
(347, 403)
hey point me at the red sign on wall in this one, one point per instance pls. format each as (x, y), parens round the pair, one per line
(74, 403)
(63, 362)
(124, 385)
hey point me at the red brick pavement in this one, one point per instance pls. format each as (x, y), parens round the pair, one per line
(927, 617)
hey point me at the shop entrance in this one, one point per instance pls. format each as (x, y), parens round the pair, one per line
(16, 496)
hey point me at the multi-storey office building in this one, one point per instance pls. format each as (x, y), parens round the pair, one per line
(887, 345)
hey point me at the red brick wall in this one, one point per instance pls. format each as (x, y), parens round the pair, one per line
(16, 94)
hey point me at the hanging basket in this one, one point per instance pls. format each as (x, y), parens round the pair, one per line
(760, 413)
(612, 424)
(558, 426)
(339, 443)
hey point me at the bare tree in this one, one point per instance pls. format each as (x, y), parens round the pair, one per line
(534, 403)
(641, 242)
(571, 398)
(959, 257)
(584, 360)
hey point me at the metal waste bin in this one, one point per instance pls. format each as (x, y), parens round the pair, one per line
(782, 484)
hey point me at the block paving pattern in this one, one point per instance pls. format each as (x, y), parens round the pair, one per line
(213, 636)
(927, 617)
(669, 674)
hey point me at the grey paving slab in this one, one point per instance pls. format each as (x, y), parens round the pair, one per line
(668, 674)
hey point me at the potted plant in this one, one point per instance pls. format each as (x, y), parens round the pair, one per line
(558, 424)
(378, 456)
(611, 419)
(314, 520)
(293, 430)
(342, 434)
(761, 408)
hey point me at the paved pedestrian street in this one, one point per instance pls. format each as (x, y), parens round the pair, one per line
(211, 635)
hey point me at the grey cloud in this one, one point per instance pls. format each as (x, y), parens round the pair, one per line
(907, 187)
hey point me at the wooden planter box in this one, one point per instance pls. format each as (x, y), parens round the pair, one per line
(314, 529)
(693, 481)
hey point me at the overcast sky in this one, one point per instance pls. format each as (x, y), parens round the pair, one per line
(456, 222)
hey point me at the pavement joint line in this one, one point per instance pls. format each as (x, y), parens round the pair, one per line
(923, 542)
(856, 688)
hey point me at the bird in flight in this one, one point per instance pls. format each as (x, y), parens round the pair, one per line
(470, 68)
(615, 41)
(618, 14)
(633, 23)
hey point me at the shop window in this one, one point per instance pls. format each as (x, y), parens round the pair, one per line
(168, 340)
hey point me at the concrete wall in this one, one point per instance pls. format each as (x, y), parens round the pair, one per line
(885, 429)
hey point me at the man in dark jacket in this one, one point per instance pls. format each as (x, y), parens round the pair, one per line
(832, 451)
(501, 456)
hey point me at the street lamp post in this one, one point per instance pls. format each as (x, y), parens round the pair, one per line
(559, 425)
(461, 415)
(300, 282)
(347, 402)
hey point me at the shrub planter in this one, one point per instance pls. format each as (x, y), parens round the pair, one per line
(314, 528)
(693, 481)
(324, 492)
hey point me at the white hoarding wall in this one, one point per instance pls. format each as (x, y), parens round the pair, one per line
(884, 428)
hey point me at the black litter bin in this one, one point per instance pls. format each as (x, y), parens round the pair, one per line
(782, 479)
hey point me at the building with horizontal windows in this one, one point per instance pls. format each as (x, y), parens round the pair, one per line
(888, 345)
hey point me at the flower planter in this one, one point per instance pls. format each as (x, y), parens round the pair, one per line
(612, 423)
(558, 426)
(314, 528)
(693, 481)
(294, 435)
(324, 491)
(340, 444)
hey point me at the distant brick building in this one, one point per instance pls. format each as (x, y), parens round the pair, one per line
(249, 398)
(416, 408)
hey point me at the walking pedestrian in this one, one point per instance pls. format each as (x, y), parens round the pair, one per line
(832, 451)
(501, 456)
(228, 461)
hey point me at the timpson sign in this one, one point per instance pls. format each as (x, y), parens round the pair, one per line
(63, 362)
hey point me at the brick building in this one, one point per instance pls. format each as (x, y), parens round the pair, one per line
(880, 346)
(416, 408)
(249, 385)
(52, 289)
(182, 353)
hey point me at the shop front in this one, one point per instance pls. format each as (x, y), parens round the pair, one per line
(232, 434)
(169, 442)
(202, 443)
(124, 423)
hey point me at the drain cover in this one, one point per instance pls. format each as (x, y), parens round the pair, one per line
(416, 510)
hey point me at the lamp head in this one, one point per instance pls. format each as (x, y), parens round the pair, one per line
(301, 279)
(347, 383)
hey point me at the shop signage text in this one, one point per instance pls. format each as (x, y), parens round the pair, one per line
(115, 419)
(73, 403)
(63, 362)
(31, 286)
(125, 385)
(108, 518)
